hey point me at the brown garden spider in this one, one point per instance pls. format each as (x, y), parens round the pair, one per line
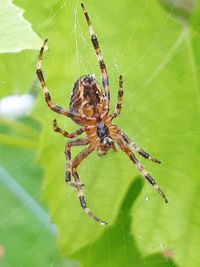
(89, 107)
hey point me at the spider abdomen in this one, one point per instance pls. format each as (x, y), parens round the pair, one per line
(87, 97)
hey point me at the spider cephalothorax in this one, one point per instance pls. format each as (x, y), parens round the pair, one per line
(105, 140)
(103, 134)
(89, 107)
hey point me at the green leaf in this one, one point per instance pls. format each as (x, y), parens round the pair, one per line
(18, 134)
(117, 244)
(19, 127)
(16, 32)
(179, 8)
(157, 57)
(18, 141)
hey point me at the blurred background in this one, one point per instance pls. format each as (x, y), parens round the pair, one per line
(155, 46)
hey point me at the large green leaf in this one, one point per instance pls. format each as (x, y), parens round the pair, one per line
(117, 245)
(16, 33)
(158, 58)
(17, 69)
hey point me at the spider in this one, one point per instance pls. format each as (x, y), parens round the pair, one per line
(89, 108)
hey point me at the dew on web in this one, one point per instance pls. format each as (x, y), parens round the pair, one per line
(116, 67)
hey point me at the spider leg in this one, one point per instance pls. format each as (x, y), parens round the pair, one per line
(100, 59)
(66, 134)
(119, 101)
(76, 142)
(139, 150)
(140, 168)
(47, 96)
(76, 162)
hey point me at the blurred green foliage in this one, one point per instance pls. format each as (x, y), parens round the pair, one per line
(24, 240)
(158, 55)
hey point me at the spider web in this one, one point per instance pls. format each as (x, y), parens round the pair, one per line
(116, 50)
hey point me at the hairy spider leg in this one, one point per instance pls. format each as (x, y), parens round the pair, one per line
(102, 64)
(140, 168)
(76, 162)
(70, 135)
(138, 149)
(77, 142)
(47, 96)
(118, 107)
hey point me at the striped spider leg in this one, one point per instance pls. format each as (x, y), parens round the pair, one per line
(76, 162)
(118, 106)
(72, 168)
(102, 65)
(138, 149)
(124, 147)
(69, 145)
(47, 96)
